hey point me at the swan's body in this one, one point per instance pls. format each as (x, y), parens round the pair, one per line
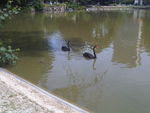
(66, 48)
(89, 55)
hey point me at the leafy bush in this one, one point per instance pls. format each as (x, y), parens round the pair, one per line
(74, 6)
(126, 1)
(8, 55)
(8, 11)
(38, 5)
(55, 5)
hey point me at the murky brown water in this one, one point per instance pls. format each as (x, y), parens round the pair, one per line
(118, 81)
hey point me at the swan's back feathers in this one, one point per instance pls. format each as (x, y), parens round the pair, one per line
(88, 55)
(64, 48)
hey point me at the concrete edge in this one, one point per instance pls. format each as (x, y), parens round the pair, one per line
(38, 95)
(111, 8)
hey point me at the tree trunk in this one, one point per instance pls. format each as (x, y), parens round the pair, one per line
(141, 2)
(75, 1)
(138, 2)
(135, 2)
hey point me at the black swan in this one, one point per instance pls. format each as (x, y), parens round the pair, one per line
(89, 55)
(66, 48)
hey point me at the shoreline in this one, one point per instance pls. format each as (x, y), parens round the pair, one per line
(62, 9)
(117, 7)
(39, 96)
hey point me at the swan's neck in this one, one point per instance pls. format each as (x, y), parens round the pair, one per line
(68, 45)
(94, 53)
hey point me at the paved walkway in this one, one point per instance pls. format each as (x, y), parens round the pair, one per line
(14, 102)
(20, 96)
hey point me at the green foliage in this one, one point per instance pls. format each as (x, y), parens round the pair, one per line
(85, 2)
(55, 5)
(8, 11)
(8, 55)
(74, 6)
(126, 1)
(21, 3)
(38, 5)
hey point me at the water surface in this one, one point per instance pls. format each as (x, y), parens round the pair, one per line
(118, 81)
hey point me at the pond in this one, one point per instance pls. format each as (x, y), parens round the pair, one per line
(118, 81)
